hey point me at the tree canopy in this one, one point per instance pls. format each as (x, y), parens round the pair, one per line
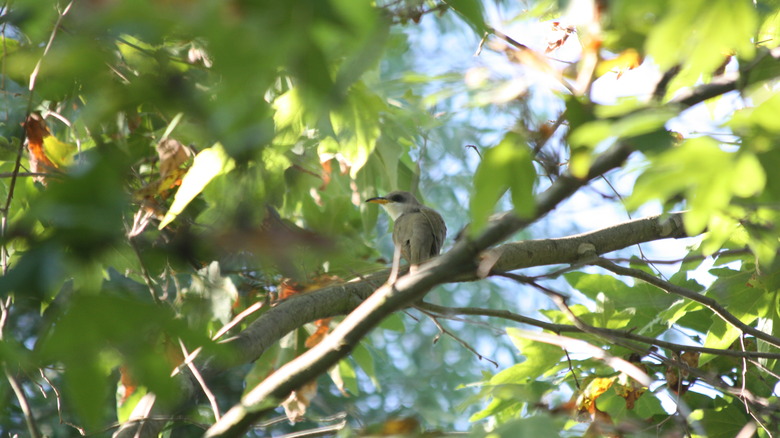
(187, 251)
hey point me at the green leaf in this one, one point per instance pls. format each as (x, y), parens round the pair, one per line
(726, 420)
(472, 12)
(124, 410)
(749, 177)
(365, 360)
(210, 297)
(539, 358)
(699, 34)
(591, 134)
(96, 333)
(394, 322)
(747, 303)
(648, 405)
(289, 116)
(207, 164)
(344, 377)
(535, 426)
(618, 301)
(505, 166)
(708, 177)
(355, 127)
(496, 406)
(611, 403)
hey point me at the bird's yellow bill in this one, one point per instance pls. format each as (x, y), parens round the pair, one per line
(379, 200)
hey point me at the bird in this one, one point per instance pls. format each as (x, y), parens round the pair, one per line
(419, 231)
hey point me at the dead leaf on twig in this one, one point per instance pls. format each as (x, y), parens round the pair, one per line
(299, 400)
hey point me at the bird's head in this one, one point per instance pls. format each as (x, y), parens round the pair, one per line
(395, 203)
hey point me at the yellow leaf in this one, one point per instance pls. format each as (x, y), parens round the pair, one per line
(59, 152)
(208, 164)
(627, 60)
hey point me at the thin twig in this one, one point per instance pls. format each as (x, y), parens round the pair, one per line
(319, 431)
(190, 357)
(708, 302)
(144, 272)
(23, 404)
(463, 343)
(20, 152)
(5, 307)
(523, 48)
(396, 265)
(618, 364)
(688, 258)
(567, 328)
(557, 124)
(744, 383)
(471, 146)
(37, 68)
(571, 369)
(18, 174)
(202, 383)
(58, 398)
(238, 318)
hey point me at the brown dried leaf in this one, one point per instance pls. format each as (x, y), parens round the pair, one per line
(172, 155)
(296, 404)
(673, 381)
(127, 382)
(323, 327)
(289, 287)
(690, 358)
(36, 130)
(173, 164)
(629, 389)
(558, 36)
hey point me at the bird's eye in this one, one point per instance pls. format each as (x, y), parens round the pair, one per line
(397, 198)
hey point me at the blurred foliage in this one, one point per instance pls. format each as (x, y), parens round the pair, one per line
(201, 157)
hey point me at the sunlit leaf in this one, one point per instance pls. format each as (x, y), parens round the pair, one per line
(506, 166)
(699, 34)
(471, 11)
(207, 164)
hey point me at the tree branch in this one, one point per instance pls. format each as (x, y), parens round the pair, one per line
(341, 299)
(707, 302)
(560, 301)
(392, 297)
(24, 405)
(567, 328)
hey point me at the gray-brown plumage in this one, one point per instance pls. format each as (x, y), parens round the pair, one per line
(419, 231)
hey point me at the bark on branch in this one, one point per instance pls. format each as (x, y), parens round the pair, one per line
(392, 297)
(342, 299)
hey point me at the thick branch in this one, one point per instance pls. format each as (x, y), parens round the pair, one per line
(392, 297)
(341, 299)
(571, 249)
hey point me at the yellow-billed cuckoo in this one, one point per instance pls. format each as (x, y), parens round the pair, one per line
(419, 231)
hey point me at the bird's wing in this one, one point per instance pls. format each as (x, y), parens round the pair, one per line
(439, 229)
(419, 234)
